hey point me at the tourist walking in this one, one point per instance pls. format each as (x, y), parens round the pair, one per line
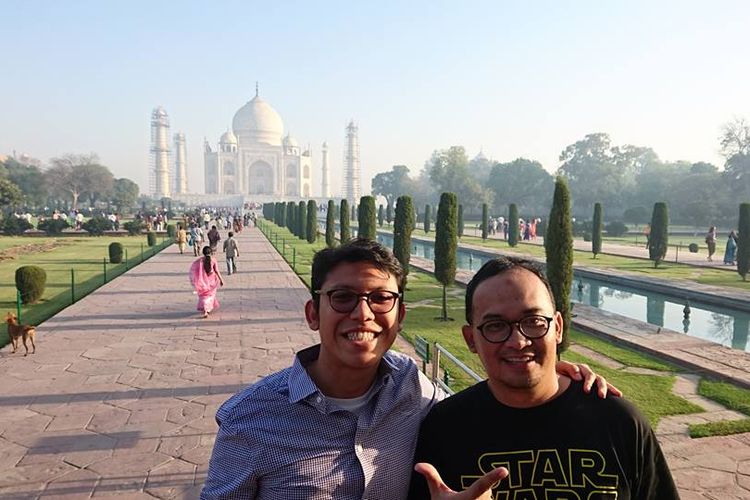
(196, 238)
(206, 279)
(711, 242)
(232, 252)
(730, 253)
(213, 239)
(181, 238)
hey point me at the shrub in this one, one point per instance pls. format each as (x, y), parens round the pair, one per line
(596, 231)
(345, 233)
(52, 226)
(513, 225)
(115, 252)
(743, 243)
(134, 227)
(30, 281)
(14, 226)
(151, 238)
(171, 231)
(485, 221)
(96, 226)
(658, 239)
(616, 228)
(558, 245)
(312, 221)
(331, 224)
(367, 218)
(403, 225)
(446, 241)
(693, 247)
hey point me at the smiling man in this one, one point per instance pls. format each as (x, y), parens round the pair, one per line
(342, 421)
(530, 431)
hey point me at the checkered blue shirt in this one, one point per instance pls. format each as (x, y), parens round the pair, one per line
(281, 439)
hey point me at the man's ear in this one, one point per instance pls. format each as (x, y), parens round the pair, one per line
(311, 315)
(401, 312)
(558, 321)
(468, 333)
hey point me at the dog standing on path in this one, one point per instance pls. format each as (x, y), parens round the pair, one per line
(17, 332)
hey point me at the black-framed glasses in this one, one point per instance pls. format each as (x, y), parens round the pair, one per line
(344, 301)
(498, 330)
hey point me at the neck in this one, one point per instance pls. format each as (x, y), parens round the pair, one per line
(342, 383)
(529, 397)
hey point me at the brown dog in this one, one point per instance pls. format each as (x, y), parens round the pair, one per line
(17, 332)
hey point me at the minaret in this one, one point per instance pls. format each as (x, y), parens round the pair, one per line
(160, 153)
(352, 169)
(180, 163)
(325, 190)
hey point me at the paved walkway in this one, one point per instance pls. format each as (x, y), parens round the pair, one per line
(121, 395)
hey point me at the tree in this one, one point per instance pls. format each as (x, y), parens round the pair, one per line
(596, 230)
(524, 180)
(743, 243)
(448, 171)
(301, 220)
(636, 215)
(10, 194)
(29, 179)
(75, 176)
(427, 216)
(345, 233)
(485, 221)
(389, 213)
(381, 215)
(331, 224)
(460, 228)
(658, 239)
(391, 184)
(446, 242)
(558, 246)
(366, 216)
(403, 225)
(124, 194)
(291, 223)
(512, 225)
(355, 212)
(312, 221)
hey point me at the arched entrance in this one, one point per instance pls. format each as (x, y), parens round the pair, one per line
(259, 178)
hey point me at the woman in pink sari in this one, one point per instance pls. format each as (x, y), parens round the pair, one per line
(206, 279)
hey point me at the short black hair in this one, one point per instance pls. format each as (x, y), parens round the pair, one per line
(356, 250)
(502, 265)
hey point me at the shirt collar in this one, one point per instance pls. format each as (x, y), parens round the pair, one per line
(301, 386)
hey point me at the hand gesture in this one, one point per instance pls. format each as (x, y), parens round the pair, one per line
(480, 490)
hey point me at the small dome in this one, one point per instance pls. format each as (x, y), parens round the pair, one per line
(257, 122)
(228, 138)
(290, 141)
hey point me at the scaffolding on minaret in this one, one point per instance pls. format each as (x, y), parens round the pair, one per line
(161, 177)
(352, 168)
(180, 166)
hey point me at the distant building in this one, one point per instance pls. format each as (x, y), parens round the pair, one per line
(255, 159)
(352, 188)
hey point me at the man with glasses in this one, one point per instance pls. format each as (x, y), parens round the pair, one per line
(342, 421)
(526, 430)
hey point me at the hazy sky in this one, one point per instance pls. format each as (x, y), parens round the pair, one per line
(515, 79)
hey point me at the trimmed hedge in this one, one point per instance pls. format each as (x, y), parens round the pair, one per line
(115, 252)
(96, 226)
(151, 238)
(134, 227)
(15, 226)
(30, 281)
(171, 230)
(52, 226)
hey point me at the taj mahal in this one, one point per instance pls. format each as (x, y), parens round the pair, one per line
(256, 158)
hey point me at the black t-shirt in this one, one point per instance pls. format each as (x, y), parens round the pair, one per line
(574, 446)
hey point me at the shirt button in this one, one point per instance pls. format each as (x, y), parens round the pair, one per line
(359, 448)
(318, 399)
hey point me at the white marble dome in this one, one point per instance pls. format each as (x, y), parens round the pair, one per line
(257, 122)
(290, 141)
(228, 138)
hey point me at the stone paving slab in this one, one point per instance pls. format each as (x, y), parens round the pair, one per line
(121, 396)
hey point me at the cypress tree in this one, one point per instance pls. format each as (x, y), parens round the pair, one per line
(312, 221)
(446, 241)
(460, 227)
(403, 225)
(290, 220)
(381, 215)
(331, 225)
(485, 221)
(389, 213)
(743, 242)
(596, 230)
(366, 216)
(512, 225)
(658, 239)
(355, 212)
(345, 233)
(558, 246)
(302, 220)
(427, 215)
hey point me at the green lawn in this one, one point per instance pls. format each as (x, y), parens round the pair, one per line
(58, 256)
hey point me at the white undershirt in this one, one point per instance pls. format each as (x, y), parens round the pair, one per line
(352, 404)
